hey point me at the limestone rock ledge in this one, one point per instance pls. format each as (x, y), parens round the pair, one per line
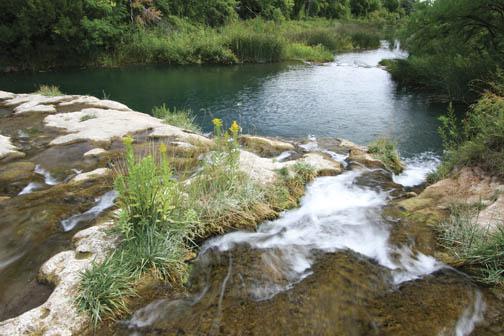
(59, 315)
(7, 150)
(470, 185)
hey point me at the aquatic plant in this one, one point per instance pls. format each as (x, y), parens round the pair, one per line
(49, 91)
(181, 118)
(87, 117)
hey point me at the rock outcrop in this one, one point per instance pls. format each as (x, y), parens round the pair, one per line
(7, 150)
(469, 186)
(59, 316)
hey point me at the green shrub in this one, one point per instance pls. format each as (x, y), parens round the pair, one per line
(180, 118)
(49, 91)
(301, 52)
(365, 40)
(481, 140)
(386, 151)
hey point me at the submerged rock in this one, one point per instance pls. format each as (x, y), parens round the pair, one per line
(99, 172)
(264, 146)
(94, 152)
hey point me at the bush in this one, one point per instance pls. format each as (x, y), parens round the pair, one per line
(180, 118)
(481, 140)
(301, 52)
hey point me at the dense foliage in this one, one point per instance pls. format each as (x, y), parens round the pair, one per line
(479, 140)
(453, 44)
(44, 33)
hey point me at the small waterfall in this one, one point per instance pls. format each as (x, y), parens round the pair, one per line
(32, 186)
(336, 214)
(417, 169)
(102, 203)
(471, 316)
(48, 178)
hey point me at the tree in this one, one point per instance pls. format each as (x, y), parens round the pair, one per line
(269, 9)
(364, 7)
(392, 5)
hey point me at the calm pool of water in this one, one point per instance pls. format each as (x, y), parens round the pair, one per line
(350, 98)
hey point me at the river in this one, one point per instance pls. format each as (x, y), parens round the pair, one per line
(330, 267)
(350, 98)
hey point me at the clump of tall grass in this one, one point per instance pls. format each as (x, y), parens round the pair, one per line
(386, 151)
(49, 91)
(180, 118)
(365, 40)
(328, 37)
(478, 249)
(154, 236)
(257, 47)
(302, 52)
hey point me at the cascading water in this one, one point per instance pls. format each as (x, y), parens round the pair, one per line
(102, 203)
(338, 215)
(32, 186)
(417, 169)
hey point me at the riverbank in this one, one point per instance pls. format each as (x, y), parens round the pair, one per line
(252, 41)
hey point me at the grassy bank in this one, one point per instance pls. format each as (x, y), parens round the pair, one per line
(251, 41)
(479, 250)
(477, 140)
(163, 218)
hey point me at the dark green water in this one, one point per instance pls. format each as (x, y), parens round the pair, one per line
(350, 98)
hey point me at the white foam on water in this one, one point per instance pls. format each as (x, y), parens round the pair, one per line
(102, 203)
(336, 214)
(48, 179)
(311, 145)
(31, 187)
(417, 169)
(284, 155)
(471, 316)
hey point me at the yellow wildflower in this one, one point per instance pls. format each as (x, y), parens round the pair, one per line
(235, 128)
(217, 122)
(162, 148)
(128, 140)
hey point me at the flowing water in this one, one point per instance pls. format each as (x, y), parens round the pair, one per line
(326, 268)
